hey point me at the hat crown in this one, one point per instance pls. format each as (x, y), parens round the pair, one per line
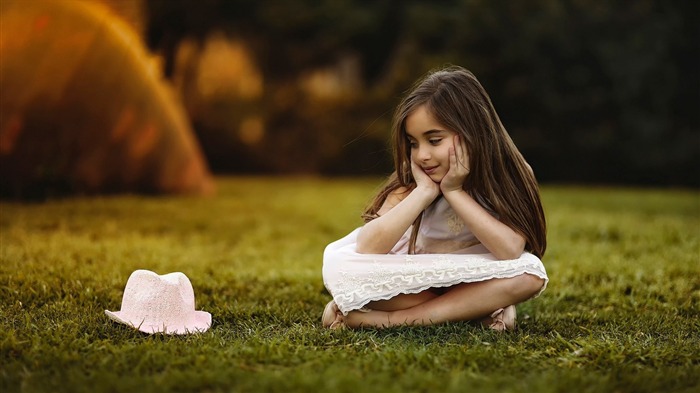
(158, 300)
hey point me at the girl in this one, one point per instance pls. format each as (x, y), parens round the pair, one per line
(457, 231)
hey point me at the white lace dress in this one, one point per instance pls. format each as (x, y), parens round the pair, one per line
(447, 253)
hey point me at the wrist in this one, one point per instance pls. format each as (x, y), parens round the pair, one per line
(457, 192)
(427, 194)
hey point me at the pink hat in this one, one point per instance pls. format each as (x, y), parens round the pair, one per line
(160, 304)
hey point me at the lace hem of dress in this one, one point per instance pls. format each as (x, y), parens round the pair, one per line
(381, 283)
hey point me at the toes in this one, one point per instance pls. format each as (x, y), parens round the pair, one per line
(339, 323)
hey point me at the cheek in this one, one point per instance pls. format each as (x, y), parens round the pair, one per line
(445, 152)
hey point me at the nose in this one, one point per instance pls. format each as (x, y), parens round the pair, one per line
(423, 153)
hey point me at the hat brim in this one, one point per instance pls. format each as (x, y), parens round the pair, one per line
(202, 323)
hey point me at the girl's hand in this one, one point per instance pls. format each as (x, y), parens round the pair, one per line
(424, 183)
(459, 167)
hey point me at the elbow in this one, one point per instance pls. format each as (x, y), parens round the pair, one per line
(364, 244)
(506, 255)
(512, 250)
(370, 246)
(361, 249)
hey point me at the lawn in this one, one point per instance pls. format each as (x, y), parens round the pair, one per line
(621, 313)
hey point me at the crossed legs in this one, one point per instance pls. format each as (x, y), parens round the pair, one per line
(463, 302)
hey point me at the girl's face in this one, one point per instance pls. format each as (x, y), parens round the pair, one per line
(430, 143)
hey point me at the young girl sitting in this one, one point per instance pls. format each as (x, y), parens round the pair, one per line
(457, 231)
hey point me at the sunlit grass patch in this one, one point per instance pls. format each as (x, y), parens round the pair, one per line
(621, 312)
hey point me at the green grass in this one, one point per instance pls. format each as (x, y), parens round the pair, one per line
(621, 312)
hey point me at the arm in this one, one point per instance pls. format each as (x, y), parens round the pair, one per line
(501, 240)
(397, 214)
(497, 237)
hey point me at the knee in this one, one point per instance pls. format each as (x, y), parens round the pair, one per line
(525, 286)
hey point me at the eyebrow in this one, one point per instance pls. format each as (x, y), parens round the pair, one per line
(434, 131)
(428, 133)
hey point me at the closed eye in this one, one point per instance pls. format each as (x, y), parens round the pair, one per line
(435, 141)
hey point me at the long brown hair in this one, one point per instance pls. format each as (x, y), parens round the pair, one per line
(499, 178)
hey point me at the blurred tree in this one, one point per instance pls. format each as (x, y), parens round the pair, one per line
(302, 48)
(591, 91)
(289, 36)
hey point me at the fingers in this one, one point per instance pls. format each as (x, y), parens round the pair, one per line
(458, 170)
(414, 168)
(461, 153)
(423, 181)
(453, 157)
(417, 171)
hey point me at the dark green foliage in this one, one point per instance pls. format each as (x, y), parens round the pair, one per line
(595, 92)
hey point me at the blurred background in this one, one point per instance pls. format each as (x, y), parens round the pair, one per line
(157, 95)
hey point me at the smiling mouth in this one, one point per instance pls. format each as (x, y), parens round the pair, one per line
(431, 169)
